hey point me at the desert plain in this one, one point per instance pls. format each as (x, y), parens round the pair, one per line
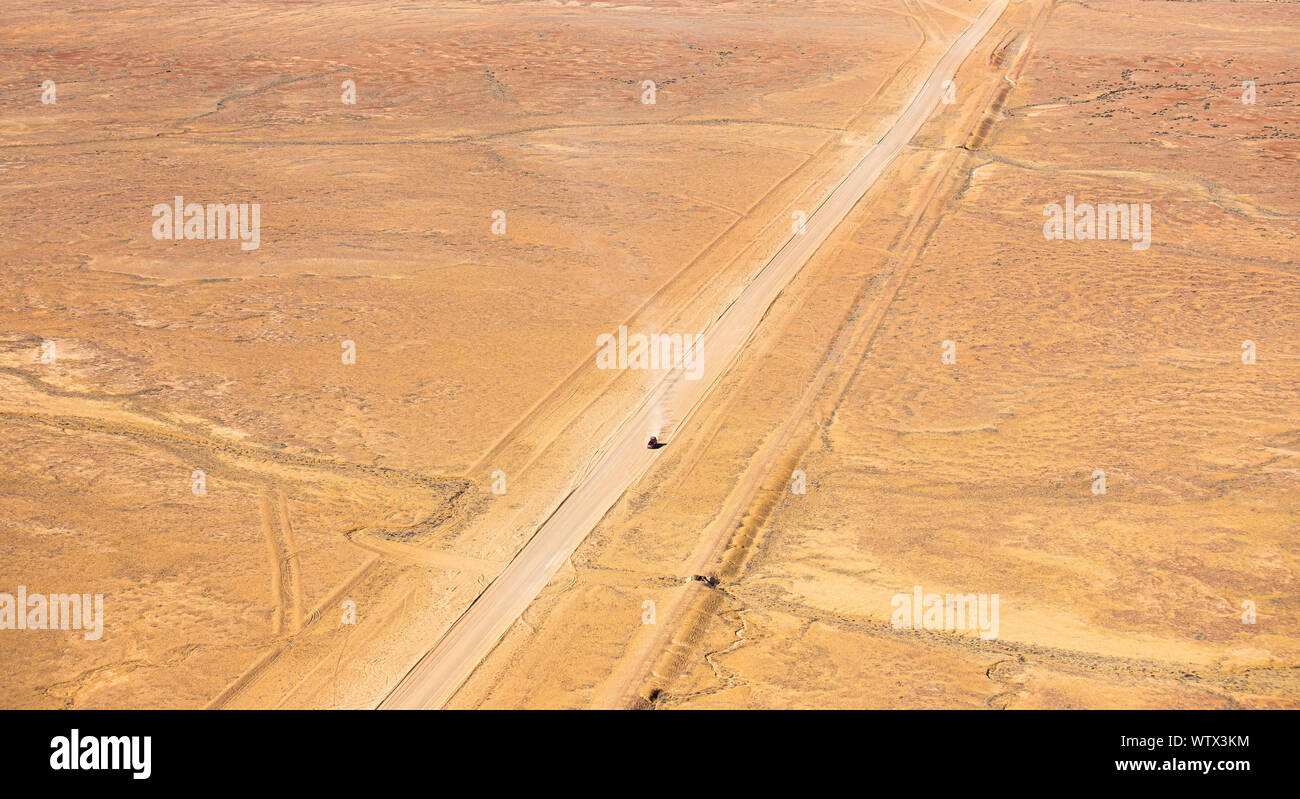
(296, 471)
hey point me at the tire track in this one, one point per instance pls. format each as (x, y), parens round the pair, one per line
(284, 565)
(176, 442)
(292, 565)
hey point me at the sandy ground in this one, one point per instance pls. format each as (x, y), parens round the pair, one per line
(370, 483)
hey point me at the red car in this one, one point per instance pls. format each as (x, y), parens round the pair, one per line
(653, 443)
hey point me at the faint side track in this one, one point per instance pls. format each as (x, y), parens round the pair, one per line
(284, 565)
(292, 565)
(171, 440)
(275, 562)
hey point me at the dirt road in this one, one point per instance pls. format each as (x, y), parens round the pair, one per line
(623, 458)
